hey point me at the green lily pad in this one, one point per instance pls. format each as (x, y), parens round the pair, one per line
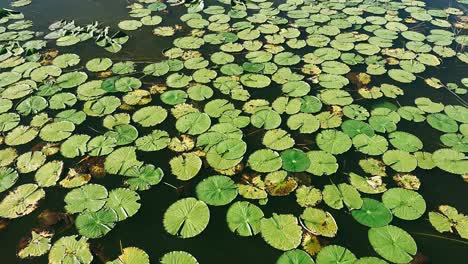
(319, 222)
(87, 198)
(393, 243)
(178, 257)
(217, 190)
(8, 178)
(372, 214)
(186, 218)
(243, 218)
(296, 256)
(38, 245)
(451, 161)
(95, 224)
(335, 254)
(21, 201)
(281, 231)
(70, 249)
(265, 160)
(295, 160)
(404, 204)
(185, 166)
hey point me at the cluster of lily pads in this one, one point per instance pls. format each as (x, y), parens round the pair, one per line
(20, 3)
(263, 98)
(17, 43)
(66, 33)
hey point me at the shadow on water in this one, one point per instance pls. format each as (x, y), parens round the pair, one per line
(217, 244)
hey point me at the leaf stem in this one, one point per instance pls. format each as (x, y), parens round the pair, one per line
(170, 185)
(440, 237)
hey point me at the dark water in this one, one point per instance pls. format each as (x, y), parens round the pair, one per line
(217, 244)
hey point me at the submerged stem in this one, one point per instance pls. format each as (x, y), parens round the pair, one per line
(440, 237)
(170, 185)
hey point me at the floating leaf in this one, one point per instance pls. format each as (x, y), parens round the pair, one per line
(123, 202)
(217, 190)
(335, 254)
(278, 183)
(185, 166)
(37, 245)
(448, 220)
(243, 218)
(334, 196)
(95, 224)
(281, 231)
(295, 160)
(178, 257)
(150, 116)
(404, 204)
(393, 243)
(142, 178)
(88, 198)
(333, 141)
(69, 249)
(400, 160)
(194, 123)
(295, 256)
(186, 218)
(372, 213)
(132, 255)
(49, 173)
(8, 178)
(21, 201)
(121, 161)
(265, 160)
(450, 160)
(319, 222)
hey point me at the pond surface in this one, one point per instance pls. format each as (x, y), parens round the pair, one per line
(217, 244)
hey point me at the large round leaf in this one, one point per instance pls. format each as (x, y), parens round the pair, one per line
(186, 218)
(319, 222)
(69, 249)
(450, 160)
(217, 190)
(281, 231)
(193, 123)
(243, 218)
(176, 257)
(404, 204)
(57, 131)
(185, 166)
(400, 160)
(333, 141)
(372, 213)
(123, 202)
(95, 224)
(265, 160)
(335, 254)
(295, 256)
(87, 198)
(393, 243)
(295, 160)
(21, 201)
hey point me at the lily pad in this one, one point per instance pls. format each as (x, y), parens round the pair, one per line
(243, 218)
(295, 160)
(70, 249)
(186, 218)
(281, 231)
(393, 243)
(404, 204)
(217, 190)
(21, 201)
(372, 213)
